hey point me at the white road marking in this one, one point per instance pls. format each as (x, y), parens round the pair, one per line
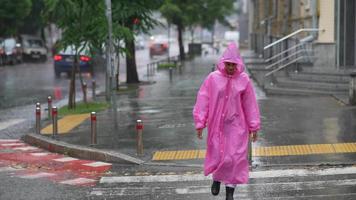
(37, 175)
(6, 124)
(39, 154)
(256, 174)
(12, 144)
(65, 159)
(9, 140)
(287, 186)
(8, 169)
(97, 164)
(26, 148)
(78, 181)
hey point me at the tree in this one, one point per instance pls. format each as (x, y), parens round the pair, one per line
(215, 10)
(136, 16)
(79, 30)
(12, 13)
(185, 13)
(173, 11)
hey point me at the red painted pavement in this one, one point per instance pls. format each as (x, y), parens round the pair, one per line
(27, 165)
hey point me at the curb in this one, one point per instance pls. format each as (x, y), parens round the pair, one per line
(79, 151)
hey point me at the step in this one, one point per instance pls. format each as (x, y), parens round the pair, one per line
(257, 67)
(320, 77)
(258, 61)
(313, 85)
(275, 90)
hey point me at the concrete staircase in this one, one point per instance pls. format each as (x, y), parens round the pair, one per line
(307, 81)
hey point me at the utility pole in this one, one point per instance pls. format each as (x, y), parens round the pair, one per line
(110, 95)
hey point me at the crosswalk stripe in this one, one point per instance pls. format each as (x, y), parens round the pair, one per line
(243, 190)
(78, 181)
(37, 175)
(25, 148)
(12, 144)
(65, 159)
(8, 169)
(39, 154)
(255, 174)
(97, 164)
(11, 122)
(9, 140)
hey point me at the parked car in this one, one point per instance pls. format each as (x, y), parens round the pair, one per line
(158, 45)
(64, 59)
(13, 51)
(33, 48)
(2, 52)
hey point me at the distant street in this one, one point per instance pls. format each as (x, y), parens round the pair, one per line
(22, 85)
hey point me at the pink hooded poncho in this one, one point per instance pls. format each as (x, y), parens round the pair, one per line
(227, 105)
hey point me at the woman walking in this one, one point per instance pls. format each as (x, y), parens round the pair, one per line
(226, 104)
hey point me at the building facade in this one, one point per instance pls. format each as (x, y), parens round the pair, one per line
(334, 42)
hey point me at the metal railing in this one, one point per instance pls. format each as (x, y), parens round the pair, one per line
(291, 35)
(288, 51)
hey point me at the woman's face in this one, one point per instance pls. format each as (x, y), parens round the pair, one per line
(230, 68)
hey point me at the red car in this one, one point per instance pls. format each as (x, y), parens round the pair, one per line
(158, 48)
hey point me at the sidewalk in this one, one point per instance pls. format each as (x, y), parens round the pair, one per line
(288, 123)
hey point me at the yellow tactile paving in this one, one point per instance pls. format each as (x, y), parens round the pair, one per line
(291, 150)
(66, 124)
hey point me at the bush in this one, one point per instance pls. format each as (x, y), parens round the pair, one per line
(82, 108)
(166, 65)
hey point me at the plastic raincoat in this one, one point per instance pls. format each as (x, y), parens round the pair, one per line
(227, 105)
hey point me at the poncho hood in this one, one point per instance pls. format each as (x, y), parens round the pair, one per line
(232, 55)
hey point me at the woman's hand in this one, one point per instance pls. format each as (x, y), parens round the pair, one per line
(200, 133)
(253, 136)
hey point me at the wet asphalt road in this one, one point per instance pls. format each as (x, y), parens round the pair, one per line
(22, 85)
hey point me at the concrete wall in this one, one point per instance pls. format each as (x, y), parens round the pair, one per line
(324, 55)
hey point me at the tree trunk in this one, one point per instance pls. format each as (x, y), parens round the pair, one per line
(131, 68)
(180, 41)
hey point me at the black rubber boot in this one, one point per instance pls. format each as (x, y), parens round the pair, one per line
(230, 193)
(215, 188)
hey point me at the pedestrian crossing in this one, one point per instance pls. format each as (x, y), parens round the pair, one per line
(307, 183)
(19, 160)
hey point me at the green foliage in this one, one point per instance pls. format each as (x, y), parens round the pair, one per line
(77, 21)
(82, 108)
(198, 12)
(166, 65)
(12, 13)
(215, 10)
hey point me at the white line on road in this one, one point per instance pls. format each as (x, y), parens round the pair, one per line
(287, 186)
(6, 124)
(39, 154)
(26, 148)
(37, 175)
(78, 181)
(97, 164)
(65, 159)
(8, 140)
(8, 169)
(12, 144)
(257, 174)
